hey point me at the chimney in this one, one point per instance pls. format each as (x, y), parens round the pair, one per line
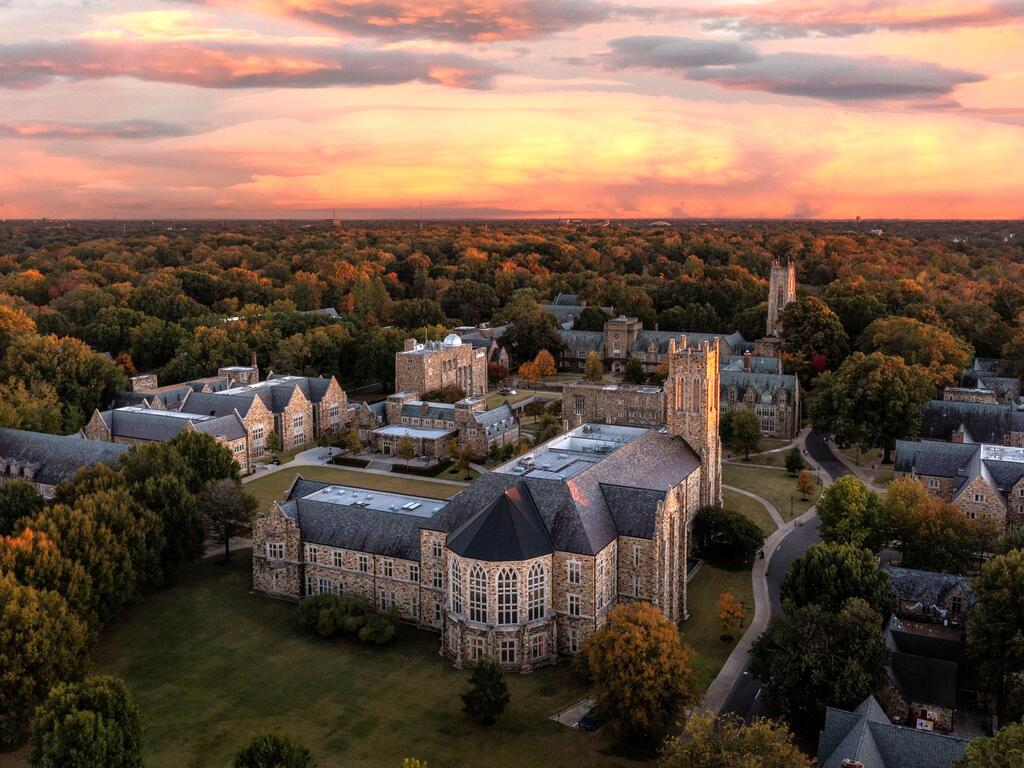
(746, 361)
(410, 344)
(851, 763)
(253, 360)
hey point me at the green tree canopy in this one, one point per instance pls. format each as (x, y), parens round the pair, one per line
(744, 432)
(851, 514)
(274, 750)
(813, 332)
(726, 742)
(1004, 750)
(727, 537)
(91, 724)
(18, 499)
(642, 673)
(996, 634)
(829, 574)
(487, 695)
(936, 350)
(227, 510)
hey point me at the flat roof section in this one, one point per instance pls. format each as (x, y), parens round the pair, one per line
(157, 413)
(378, 501)
(567, 455)
(422, 433)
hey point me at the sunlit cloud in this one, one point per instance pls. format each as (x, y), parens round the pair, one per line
(121, 129)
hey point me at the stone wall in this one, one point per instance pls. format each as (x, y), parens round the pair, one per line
(96, 428)
(439, 366)
(278, 576)
(144, 382)
(612, 404)
(294, 423)
(692, 406)
(331, 413)
(978, 499)
(968, 395)
(259, 422)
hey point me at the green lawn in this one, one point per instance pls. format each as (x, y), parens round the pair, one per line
(211, 666)
(750, 508)
(772, 484)
(272, 486)
(865, 459)
(703, 630)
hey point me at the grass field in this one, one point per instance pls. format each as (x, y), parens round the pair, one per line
(272, 486)
(703, 630)
(865, 459)
(211, 666)
(750, 508)
(773, 484)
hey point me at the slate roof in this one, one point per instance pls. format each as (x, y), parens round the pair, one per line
(926, 586)
(582, 342)
(427, 410)
(156, 425)
(632, 509)
(999, 466)
(924, 680)
(1005, 387)
(313, 387)
(761, 382)
(661, 339)
(984, 422)
(54, 458)
(218, 403)
(567, 300)
(510, 528)
(866, 735)
(758, 363)
(496, 421)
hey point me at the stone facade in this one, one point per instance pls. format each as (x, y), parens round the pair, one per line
(584, 401)
(692, 410)
(969, 395)
(781, 291)
(426, 367)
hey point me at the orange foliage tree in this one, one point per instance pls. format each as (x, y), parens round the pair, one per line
(730, 612)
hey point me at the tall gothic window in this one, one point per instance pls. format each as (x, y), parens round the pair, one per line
(508, 597)
(536, 587)
(455, 586)
(477, 594)
(695, 396)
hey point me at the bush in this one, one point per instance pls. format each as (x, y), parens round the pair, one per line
(431, 471)
(487, 694)
(274, 751)
(794, 461)
(329, 615)
(348, 461)
(727, 537)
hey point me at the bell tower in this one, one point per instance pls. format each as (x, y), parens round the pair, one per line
(692, 409)
(781, 291)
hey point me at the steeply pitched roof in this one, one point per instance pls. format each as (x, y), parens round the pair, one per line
(926, 586)
(632, 509)
(984, 422)
(866, 735)
(583, 341)
(509, 529)
(54, 458)
(218, 403)
(496, 421)
(761, 382)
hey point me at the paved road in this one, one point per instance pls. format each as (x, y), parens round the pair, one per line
(743, 699)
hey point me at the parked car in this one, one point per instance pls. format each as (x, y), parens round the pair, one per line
(507, 392)
(274, 460)
(589, 722)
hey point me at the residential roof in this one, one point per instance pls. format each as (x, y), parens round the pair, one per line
(52, 458)
(926, 587)
(867, 736)
(510, 528)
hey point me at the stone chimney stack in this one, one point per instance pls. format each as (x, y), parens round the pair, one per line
(746, 360)
(410, 345)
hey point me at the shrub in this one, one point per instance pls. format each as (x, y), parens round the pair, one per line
(274, 751)
(724, 536)
(329, 615)
(487, 695)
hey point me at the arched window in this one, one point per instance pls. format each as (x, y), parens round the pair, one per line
(536, 587)
(477, 594)
(695, 396)
(455, 587)
(508, 597)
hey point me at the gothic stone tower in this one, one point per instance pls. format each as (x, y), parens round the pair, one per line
(691, 405)
(781, 291)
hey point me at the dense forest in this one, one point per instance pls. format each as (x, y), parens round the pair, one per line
(182, 299)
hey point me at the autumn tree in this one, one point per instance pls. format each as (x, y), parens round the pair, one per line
(352, 442)
(35, 408)
(813, 333)
(642, 672)
(996, 633)
(1005, 749)
(729, 611)
(828, 575)
(227, 509)
(594, 367)
(274, 750)
(727, 742)
(91, 724)
(745, 432)
(406, 448)
(851, 514)
(872, 400)
(805, 485)
(810, 659)
(487, 695)
(934, 349)
(42, 644)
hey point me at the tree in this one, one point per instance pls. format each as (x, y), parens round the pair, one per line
(591, 319)
(726, 537)
(545, 364)
(449, 394)
(794, 461)
(805, 485)
(936, 350)
(641, 671)
(274, 750)
(406, 447)
(996, 633)
(18, 499)
(729, 611)
(412, 762)
(42, 643)
(594, 367)
(487, 694)
(828, 575)
(529, 333)
(726, 742)
(547, 428)
(1003, 750)
(171, 501)
(352, 442)
(931, 533)
(745, 432)
(36, 408)
(205, 459)
(469, 301)
(872, 400)
(633, 373)
(851, 514)
(91, 724)
(813, 331)
(810, 659)
(227, 509)
(273, 443)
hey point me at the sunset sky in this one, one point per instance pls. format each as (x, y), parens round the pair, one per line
(476, 108)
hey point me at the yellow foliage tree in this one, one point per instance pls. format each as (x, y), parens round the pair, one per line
(594, 370)
(730, 612)
(545, 364)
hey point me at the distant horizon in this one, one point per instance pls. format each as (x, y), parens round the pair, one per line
(453, 219)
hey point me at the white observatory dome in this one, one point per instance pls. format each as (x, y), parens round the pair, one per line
(452, 340)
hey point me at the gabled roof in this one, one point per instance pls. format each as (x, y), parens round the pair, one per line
(509, 529)
(54, 458)
(913, 585)
(867, 736)
(984, 422)
(632, 509)
(761, 382)
(218, 403)
(497, 420)
(583, 341)
(566, 300)
(758, 363)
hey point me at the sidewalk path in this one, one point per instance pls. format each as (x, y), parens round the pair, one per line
(772, 510)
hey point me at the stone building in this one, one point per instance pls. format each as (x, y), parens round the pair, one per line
(744, 382)
(980, 480)
(526, 562)
(963, 421)
(421, 368)
(781, 291)
(132, 425)
(47, 460)
(926, 596)
(143, 390)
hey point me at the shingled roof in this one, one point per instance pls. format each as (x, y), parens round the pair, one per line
(984, 422)
(509, 529)
(52, 458)
(926, 587)
(867, 736)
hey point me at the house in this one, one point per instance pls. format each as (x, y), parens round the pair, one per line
(980, 480)
(526, 562)
(942, 598)
(47, 460)
(865, 738)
